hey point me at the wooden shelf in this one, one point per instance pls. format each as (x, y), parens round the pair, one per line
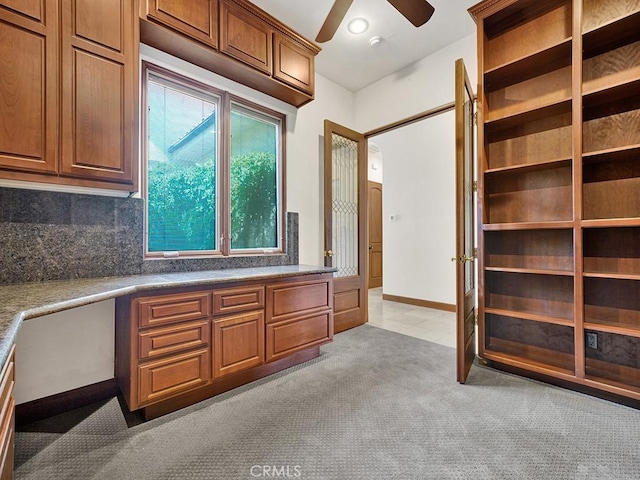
(529, 316)
(611, 34)
(521, 355)
(612, 276)
(525, 67)
(612, 154)
(488, 227)
(530, 271)
(615, 328)
(617, 222)
(532, 167)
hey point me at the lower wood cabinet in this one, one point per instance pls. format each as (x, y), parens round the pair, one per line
(7, 417)
(179, 346)
(238, 343)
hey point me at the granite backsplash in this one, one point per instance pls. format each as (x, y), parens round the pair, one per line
(56, 236)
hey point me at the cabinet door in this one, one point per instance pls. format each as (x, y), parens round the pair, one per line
(196, 18)
(29, 85)
(99, 90)
(293, 64)
(238, 343)
(245, 37)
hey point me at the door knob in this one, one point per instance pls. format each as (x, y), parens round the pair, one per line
(328, 253)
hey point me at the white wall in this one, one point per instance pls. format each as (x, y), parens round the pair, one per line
(419, 192)
(305, 162)
(419, 172)
(426, 84)
(65, 350)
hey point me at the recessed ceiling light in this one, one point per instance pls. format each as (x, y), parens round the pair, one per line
(358, 25)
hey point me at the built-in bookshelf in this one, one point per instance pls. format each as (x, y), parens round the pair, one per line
(559, 189)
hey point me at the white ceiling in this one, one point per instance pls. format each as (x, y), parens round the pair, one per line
(349, 60)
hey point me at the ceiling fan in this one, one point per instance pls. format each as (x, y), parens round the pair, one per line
(417, 12)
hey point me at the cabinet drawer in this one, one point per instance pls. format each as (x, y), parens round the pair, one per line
(238, 343)
(170, 376)
(296, 298)
(172, 308)
(172, 339)
(290, 336)
(238, 299)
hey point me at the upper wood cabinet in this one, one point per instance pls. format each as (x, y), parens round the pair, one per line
(29, 85)
(293, 64)
(254, 48)
(196, 18)
(245, 36)
(99, 85)
(68, 73)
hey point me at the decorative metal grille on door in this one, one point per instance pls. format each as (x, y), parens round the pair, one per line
(344, 205)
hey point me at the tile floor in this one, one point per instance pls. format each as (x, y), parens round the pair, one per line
(426, 323)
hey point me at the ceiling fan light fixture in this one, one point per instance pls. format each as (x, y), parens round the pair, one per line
(358, 25)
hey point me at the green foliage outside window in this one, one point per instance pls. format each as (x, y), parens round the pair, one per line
(182, 206)
(254, 201)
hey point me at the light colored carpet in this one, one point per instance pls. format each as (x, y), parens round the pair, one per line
(375, 405)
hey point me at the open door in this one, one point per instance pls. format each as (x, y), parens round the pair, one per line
(466, 253)
(345, 222)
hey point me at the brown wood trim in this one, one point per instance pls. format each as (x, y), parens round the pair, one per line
(447, 307)
(409, 120)
(488, 8)
(227, 383)
(63, 402)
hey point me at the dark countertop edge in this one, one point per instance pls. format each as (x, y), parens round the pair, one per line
(140, 283)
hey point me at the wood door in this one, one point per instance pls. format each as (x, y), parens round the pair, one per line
(465, 224)
(29, 86)
(375, 235)
(196, 18)
(345, 222)
(99, 90)
(245, 36)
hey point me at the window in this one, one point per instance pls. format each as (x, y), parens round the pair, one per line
(214, 170)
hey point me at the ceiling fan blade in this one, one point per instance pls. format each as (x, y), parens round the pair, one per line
(417, 12)
(333, 21)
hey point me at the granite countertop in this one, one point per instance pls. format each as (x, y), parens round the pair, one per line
(22, 301)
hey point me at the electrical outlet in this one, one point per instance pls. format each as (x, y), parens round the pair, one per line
(592, 340)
